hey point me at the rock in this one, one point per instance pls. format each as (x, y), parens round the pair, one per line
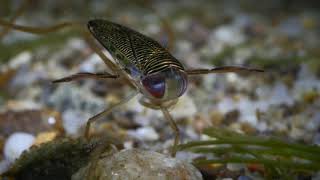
(291, 27)
(4, 166)
(57, 159)
(20, 59)
(281, 95)
(77, 105)
(73, 121)
(235, 166)
(16, 144)
(216, 117)
(138, 164)
(22, 105)
(68, 97)
(91, 64)
(45, 137)
(185, 108)
(225, 36)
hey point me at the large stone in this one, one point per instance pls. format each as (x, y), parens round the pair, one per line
(137, 164)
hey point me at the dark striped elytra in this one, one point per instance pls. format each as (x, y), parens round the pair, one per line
(147, 55)
(155, 71)
(111, 48)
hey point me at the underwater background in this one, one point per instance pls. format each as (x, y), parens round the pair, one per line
(268, 123)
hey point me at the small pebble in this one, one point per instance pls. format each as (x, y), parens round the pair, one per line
(185, 108)
(20, 59)
(73, 121)
(45, 137)
(144, 134)
(235, 167)
(16, 144)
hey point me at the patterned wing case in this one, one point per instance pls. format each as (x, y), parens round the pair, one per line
(131, 48)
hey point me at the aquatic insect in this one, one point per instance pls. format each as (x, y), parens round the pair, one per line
(153, 72)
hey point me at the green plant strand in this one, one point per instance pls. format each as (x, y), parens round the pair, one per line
(260, 151)
(236, 138)
(276, 163)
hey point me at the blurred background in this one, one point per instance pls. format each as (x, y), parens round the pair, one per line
(279, 36)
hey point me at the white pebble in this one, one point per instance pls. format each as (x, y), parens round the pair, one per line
(20, 59)
(230, 35)
(16, 144)
(91, 63)
(76, 44)
(235, 166)
(185, 108)
(73, 121)
(145, 133)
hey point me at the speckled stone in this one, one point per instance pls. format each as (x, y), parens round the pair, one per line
(138, 164)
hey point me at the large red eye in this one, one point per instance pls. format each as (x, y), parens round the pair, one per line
(155, 85)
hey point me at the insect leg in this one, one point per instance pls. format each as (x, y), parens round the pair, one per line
(84, 75)
(21, 9)
(105, 112)
(223, 69)
(174, 127)
(37, 30)
(115, 69)
(87, 36)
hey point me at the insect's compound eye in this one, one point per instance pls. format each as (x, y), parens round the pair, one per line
(166, 85)
(155, 85)
(176, 82)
